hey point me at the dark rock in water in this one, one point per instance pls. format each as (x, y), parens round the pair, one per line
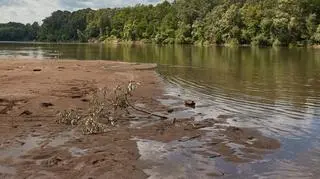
(201, 114)
(190, 103)
(234, 129)
(170, 110)
(251, 138)
(215, 156)
(26, 113)
(37, 69)
(46, 105)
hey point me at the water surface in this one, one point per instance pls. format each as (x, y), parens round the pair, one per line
(276, 90)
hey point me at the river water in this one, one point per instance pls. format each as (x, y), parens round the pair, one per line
(276, 90)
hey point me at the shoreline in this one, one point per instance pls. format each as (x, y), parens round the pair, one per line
(141, 42)
(39, 144)
(33, 145)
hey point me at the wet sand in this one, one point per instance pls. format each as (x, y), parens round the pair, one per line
(33, 145)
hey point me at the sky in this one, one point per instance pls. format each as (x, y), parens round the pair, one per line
(29, 11)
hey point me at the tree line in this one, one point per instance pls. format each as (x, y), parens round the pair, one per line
(229, 22)
(19, 32)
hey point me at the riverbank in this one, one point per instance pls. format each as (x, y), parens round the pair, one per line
(33, 145)
(113, 41)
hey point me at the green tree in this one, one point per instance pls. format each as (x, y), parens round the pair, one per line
(255, 22)
(316, 36)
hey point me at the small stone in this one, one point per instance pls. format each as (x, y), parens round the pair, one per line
(190, 103)
(84, 100)
(170, 110)
(215, 174)
(37, 69)
(46, 105)
(38, 125)
(215, 156)
(174, 121)
(76, 96)
(251, 138)
(97, 161)
(214, 143)
(26, 113)
(235, 129)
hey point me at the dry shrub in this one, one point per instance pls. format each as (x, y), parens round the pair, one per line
(71, 117)
(91, 125)
(105, 108)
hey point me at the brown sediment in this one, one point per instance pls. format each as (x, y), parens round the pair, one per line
(35, 145)
(29, 102)
(242, 144)
(167, 131)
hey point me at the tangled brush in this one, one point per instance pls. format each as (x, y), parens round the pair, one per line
(104, 110)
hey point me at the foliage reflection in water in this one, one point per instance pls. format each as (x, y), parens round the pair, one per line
(276, 90)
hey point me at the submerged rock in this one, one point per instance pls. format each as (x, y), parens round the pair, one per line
(170, 110)
(190, 103)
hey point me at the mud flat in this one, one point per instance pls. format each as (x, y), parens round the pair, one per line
(33, 145)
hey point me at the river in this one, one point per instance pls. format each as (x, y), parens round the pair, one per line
(276, 90)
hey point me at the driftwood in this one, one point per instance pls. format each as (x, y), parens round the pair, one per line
(147, 112)
(103, 106)
(189, 138)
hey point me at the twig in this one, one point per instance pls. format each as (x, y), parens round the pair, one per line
(189, 138)
(145, 111)
(21, 142)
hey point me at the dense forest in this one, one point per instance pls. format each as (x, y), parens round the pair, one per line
(19, 32)
(229, 22)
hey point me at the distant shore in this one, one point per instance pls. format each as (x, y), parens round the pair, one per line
(148, 42)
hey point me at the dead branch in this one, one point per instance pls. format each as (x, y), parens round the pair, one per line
(103, 110)
(147, 112)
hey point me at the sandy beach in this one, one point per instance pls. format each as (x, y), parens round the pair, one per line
(34, 145)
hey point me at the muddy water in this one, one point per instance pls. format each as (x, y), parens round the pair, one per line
(275, 90)
(24, 145)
